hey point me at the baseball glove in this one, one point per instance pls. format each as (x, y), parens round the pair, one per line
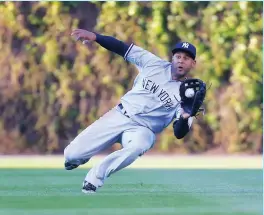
(192, 104)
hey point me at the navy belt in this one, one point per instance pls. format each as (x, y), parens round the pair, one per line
(123, 109)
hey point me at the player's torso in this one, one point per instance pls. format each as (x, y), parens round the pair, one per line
(154, 93)
(154, 98)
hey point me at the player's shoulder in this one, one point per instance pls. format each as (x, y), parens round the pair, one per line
(133, 48)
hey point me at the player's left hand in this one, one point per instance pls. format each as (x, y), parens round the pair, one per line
(191, 106)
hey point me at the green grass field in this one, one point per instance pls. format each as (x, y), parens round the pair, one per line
(131, 192)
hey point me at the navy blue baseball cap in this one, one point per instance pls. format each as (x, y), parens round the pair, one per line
(185, 47)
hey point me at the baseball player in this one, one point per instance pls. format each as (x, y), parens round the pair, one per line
(158, 97)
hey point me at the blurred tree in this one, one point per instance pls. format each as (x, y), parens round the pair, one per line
(52, 87)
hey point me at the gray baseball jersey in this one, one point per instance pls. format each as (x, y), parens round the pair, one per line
(154, 98)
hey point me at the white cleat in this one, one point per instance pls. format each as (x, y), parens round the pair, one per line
(88, 188)
(88, 191)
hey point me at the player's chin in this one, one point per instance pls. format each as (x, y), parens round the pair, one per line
(181, 72)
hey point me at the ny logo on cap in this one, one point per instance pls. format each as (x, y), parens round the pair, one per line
(185, 45)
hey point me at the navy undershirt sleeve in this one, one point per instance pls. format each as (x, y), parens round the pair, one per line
(112, 44)
(181, 128)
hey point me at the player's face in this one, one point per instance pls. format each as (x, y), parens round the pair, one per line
(182, 64)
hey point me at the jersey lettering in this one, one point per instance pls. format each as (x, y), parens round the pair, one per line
(162, 95)
(154, 88)
(161, 92)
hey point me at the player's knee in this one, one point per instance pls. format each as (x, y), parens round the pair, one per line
(70, 154)
(145, 144)
(139, 150)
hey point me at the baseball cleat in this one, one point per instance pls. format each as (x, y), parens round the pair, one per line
(88, 187)
(70, 166)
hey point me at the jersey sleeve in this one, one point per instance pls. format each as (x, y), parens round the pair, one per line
(112, 44)
(141, 57)
(181, 126)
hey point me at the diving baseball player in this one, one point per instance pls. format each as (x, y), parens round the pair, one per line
(160, 95)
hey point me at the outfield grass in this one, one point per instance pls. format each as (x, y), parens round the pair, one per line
(131, 192)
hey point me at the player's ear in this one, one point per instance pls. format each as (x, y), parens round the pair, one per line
(172, 57)
(193, 63)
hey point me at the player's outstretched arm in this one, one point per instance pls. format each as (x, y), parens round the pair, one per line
(110, 43)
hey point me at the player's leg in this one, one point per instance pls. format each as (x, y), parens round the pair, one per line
(135, 141)
(98, 136)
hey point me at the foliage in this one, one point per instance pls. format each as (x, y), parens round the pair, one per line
(53, 87)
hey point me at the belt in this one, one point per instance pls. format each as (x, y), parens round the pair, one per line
(123, 109)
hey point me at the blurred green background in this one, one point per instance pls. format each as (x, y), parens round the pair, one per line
(52, 87)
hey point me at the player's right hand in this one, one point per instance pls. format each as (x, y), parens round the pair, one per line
(83, 35)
